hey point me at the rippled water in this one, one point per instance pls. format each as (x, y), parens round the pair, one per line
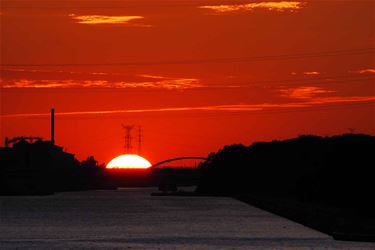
(132, 219)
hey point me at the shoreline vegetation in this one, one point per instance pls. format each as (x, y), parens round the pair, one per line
(325, 183)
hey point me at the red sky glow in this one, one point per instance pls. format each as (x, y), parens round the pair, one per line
(196, 75)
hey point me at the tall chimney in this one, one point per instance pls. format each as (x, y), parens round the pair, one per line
(53, 126)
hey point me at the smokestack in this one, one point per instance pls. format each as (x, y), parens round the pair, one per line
(53, 126)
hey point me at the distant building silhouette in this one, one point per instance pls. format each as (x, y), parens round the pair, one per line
(33, 166)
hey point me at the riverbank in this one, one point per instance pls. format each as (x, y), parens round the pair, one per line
(341, 224)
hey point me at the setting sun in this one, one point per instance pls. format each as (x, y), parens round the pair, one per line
(129, 161)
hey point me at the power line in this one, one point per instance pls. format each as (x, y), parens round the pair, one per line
(139, 139)
(210, 60)
(301, 81)
(318, 78)
(13, 4)
(316, 82)
(114, 4)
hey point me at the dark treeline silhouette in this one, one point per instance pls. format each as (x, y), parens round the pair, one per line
(333, 170)
(43, 168)
(323, 182)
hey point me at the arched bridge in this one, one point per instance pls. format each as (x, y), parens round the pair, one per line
(178, 159)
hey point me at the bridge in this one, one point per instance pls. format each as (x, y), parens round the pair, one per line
(178, 159)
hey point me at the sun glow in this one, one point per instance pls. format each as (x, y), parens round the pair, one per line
(127, 161)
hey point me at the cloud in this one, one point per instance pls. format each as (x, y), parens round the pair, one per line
(364, 71)
(219, 108)
(122, 111)
(344, 99)
(308, 73)
(153, 83)
(304, 92)
(311, 73)
(102, 19)
(26, 83)
(155, 77)
(271, 6)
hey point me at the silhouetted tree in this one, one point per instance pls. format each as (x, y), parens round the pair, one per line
(90, 162)
(335, 170)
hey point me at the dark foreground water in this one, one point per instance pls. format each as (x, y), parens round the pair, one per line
(132, 219)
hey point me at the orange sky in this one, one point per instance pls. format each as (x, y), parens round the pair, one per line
(196, 75)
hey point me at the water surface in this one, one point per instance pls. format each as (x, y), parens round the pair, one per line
(132, 219)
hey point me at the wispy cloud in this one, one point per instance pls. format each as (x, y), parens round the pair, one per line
(308, 73)
(155, 77)
(27, 83)
(102, 19)
(271, 6)
(305, 92)
(218, 108)
(153, 83)
(311, 73)
(364, 71)
(122, 111)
